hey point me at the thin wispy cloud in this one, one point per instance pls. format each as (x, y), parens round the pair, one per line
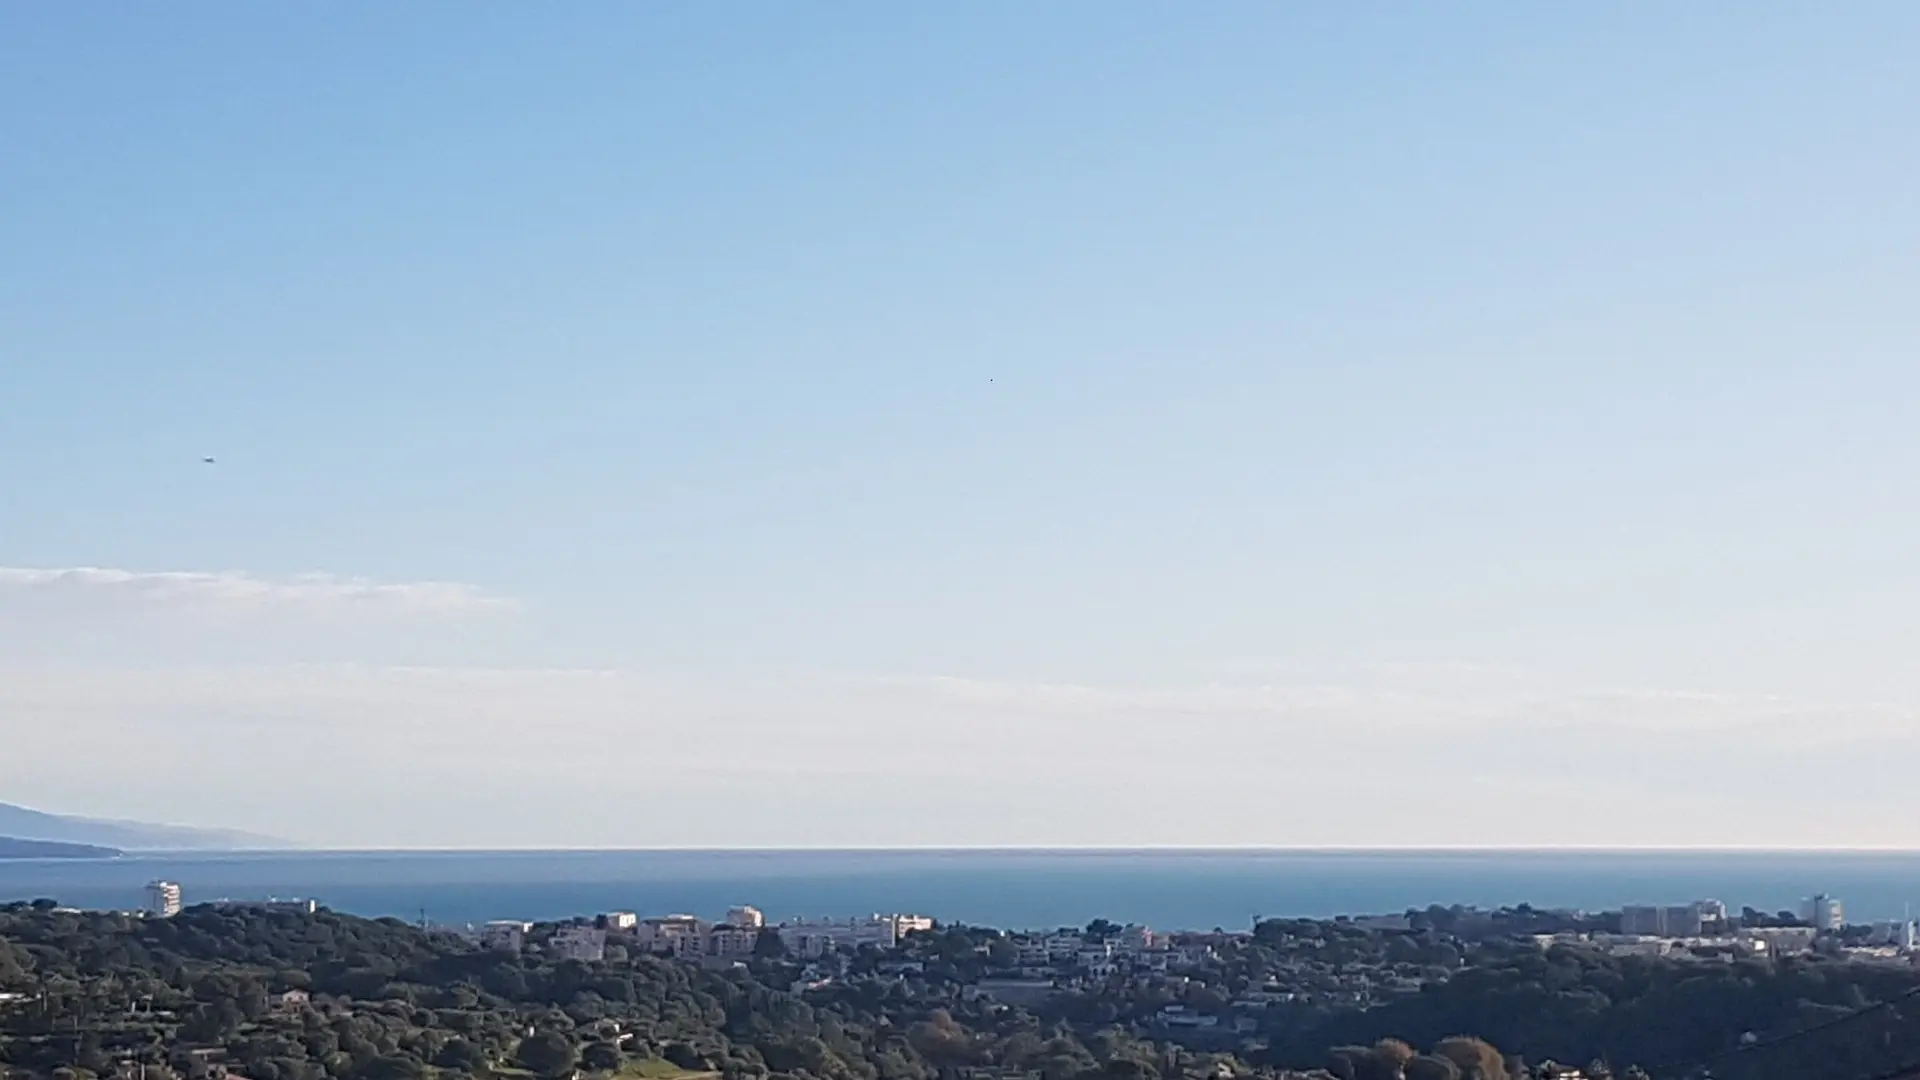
(1502, 701)
(800, 758)
(91, 588)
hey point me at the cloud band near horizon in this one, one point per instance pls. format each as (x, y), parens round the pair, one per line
(238, 592)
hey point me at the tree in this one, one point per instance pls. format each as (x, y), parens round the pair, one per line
(1477, 1058)
(1432, 1067)
(214, 1022)
(168, 992)
(1348, 1062)
(601, 1056)
(1384, 1060)
(941, 1039)
(1392, 1056)
(1003, 952)
(767, 945)
(685, 1056)
(394, 1067)
(461, 1055)
(89, 1056)
(548, 1053)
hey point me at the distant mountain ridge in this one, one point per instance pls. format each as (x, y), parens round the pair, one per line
(12, 847)
(20, 823)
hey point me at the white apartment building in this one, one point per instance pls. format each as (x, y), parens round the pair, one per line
(1193, 954)
(619, 920)
(163, 899)
(1032, 951)
(816, 937)
(733, 941)
(1096, 959)
(672, 935)
(505, 935)
(746, 917)
(1824, 912)
(1641, 920)
(1781, 939)
(1671, 921)
(1637, 946)
(587, 944)
(1064, 945)
(911, 924)
(1095, 953)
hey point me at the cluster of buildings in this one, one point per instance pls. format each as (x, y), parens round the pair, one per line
(1130, 948)
(1748, 941)
(1026, 966)
(1704, 926)
(1028, 962)
(164, 901)
(1189, 985)
(1673, 920)
(1823, 914)
(737, 936)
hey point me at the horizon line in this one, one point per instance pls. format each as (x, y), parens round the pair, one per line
(1056, 849)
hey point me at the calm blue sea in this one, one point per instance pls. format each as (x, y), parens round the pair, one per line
(1165, 889)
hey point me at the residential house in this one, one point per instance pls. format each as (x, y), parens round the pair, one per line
(505, 935)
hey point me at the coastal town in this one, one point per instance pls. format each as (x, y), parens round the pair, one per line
(282, 988)
(1169, 983)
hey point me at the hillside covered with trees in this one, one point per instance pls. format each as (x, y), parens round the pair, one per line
(275, 995)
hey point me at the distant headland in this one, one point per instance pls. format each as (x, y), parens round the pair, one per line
(13, 847)
(22, 825)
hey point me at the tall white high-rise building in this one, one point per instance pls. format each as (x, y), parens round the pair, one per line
(163, 899)
(1824, 912)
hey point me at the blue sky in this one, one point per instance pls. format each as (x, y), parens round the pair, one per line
(1196, 390)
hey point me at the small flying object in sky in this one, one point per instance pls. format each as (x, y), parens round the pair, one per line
(206, 461)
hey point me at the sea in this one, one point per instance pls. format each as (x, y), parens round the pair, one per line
(1165, 889)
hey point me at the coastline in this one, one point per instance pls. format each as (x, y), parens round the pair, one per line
(1174, 889)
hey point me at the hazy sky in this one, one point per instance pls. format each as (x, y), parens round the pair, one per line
(997, 423)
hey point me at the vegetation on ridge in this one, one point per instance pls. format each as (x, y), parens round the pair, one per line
(270, 995)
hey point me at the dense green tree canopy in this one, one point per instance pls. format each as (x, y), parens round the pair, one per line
(285, 996)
